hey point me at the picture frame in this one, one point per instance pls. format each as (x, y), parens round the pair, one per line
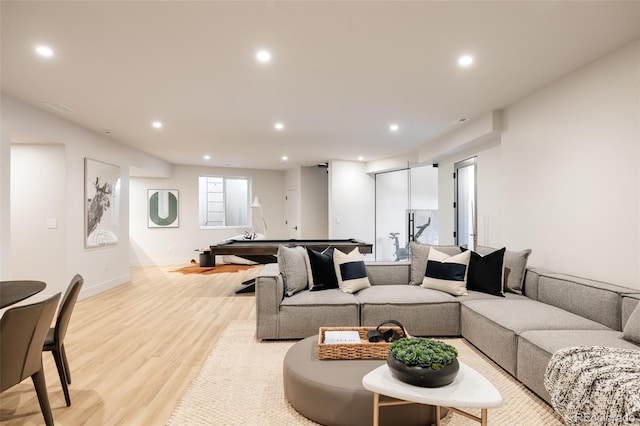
(163, 208)
(101, 203)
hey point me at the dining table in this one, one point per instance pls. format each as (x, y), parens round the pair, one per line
(14, 291)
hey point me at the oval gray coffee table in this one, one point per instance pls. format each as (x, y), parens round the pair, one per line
(330, 392)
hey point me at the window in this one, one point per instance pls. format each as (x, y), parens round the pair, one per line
(224, 201)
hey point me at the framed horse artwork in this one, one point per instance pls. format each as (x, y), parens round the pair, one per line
(102, 203)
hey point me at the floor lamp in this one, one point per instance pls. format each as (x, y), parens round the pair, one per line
(256, 207)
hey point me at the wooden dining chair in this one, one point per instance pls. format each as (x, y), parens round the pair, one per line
(22, 333)
(54, 340)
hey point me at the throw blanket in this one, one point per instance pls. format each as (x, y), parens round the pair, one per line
(595, 385)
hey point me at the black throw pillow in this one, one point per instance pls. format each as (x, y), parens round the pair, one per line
(485, 272)
(322, 269)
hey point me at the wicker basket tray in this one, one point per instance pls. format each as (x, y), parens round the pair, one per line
(362, 350)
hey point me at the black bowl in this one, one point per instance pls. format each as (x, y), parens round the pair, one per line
(421, 376)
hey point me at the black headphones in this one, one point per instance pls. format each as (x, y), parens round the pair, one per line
(389, 335)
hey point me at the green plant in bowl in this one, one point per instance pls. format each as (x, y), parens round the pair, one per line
(423, 362)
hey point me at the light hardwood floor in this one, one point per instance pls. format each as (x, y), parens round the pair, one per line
(134, 350)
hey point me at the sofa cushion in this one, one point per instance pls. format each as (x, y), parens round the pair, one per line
(388, 273)
(419, 256)
(631, 330)
(492, 325)
(402, 294)
(422, 311)
(350, 271)
(536, 347)
(447, 273)
(478, 295)
(486, 273)
(328, 297)
(515, 264)
(293, 266)
(595, 300)
(554, 340)
(295, 322)
(521, 315)
(323, 273)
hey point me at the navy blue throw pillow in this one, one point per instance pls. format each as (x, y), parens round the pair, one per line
(485, 272)
(322, 269)
(353, 270)
(445, 271)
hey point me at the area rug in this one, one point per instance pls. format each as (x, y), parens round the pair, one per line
(195, 268)
(241, 384)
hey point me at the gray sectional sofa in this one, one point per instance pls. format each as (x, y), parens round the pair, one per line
(520, 332)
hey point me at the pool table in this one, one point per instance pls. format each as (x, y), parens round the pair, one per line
(245, 248)
(264, 251)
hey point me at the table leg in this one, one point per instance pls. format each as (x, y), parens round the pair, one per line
(376, 408)
(483, 417)
(437, 415)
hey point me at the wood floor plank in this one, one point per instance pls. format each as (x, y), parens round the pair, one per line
(134, 350)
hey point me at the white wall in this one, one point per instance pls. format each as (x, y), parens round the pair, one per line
(178, 245)
(563, 177)
(489, 195)
(490, 199)
(5, 200)
(38, 193)
(570, 156)
(314, 203)
(351, 201)
(104, 267)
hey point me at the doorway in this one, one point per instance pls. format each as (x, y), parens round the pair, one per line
(465, 204)
(291, 211)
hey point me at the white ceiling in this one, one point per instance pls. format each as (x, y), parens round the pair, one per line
(341, 71)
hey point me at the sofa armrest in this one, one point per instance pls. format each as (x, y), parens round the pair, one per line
(269, 295)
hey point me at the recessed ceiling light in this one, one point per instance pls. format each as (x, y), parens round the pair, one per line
(394, 127)
(157, 124)
(263, 56)
(207, 157)
(44, 51)
(278, 126)
(360, 158)
(465, 60)
(285, 158)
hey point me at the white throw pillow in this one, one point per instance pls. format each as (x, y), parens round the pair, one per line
(447, 273)
(350, 271)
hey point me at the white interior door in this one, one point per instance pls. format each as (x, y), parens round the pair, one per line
(292, 212)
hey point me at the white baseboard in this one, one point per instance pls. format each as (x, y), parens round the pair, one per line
(104, 286)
